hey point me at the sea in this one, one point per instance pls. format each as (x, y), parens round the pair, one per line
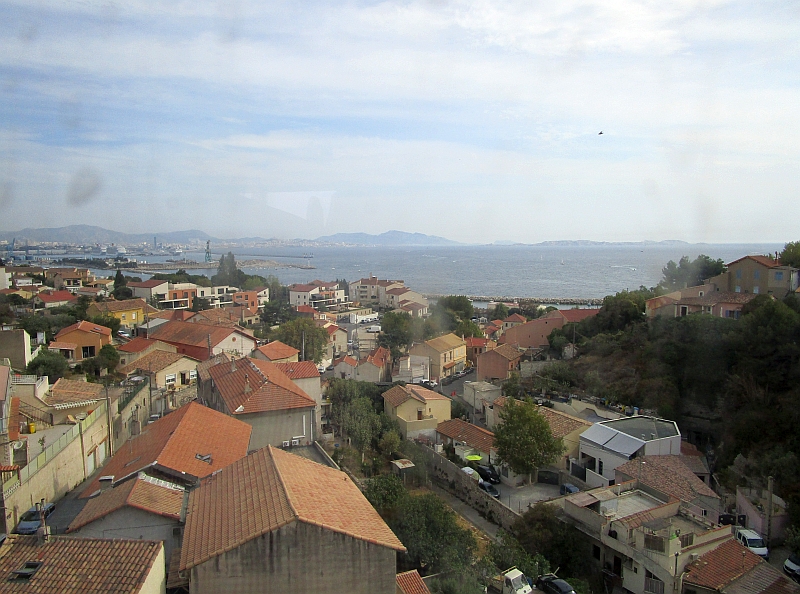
(547, 272)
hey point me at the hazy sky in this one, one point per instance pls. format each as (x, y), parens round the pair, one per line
(473, 120)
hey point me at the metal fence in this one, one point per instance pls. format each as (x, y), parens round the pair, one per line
(129, 394)
(52, 451)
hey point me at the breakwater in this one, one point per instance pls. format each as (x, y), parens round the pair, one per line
(522, 301)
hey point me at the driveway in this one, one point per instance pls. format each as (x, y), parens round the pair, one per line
(519, 498)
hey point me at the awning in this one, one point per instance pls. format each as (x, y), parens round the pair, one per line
(449, 365)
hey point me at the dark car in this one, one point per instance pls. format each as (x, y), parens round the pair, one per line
(489, 488)
(31, 520)
(488, 474)
(554, 585)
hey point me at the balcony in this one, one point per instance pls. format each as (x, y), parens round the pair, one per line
(654, 586)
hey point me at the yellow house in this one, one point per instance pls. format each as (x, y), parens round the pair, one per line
(129, 312)
(418, 410)
(447, 353)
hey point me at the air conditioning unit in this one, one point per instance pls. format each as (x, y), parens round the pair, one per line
(694, 557)
(295, 442)
(286, 443)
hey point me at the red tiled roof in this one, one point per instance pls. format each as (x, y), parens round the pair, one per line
(298, 288)
(331, 329)
(398, 291)
(267, 490)
(474, 436)
(253, 386)
(177, 315)
(86, 565)
(277, 350)
(516, 319)
(66, 393)
(137, 345)
(124, 305)
(668, 474)
(85, 327)
(155, 361)
(67, 346)
(399, 394)
(763, 260)
(196, 335)
(144, 493)
(506, 351)
(346, 359)
(720, 567)
(298, 370)
(577, 315)
(378, 357)
(410, 582)
(562, 424)
(173, 442)
(476, 342)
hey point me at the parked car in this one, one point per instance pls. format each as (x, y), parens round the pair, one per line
(30, 521)
(489, 488)
(488, 474)
(791, 566)
(430, 384)
(751, 540)
(553, 585)
(568, 488)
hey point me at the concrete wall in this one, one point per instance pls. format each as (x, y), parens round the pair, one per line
(15, 345)
(299, 558)
(62, 473)
(238, 343)
(130, 522)
(273, 428)
(493, 366)
(156, 580)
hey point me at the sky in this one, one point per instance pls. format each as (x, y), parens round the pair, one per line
(474, 120)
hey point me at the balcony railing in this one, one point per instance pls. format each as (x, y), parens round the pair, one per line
(654, 586)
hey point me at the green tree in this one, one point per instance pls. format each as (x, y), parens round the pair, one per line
(395, 331)
(48, 363)
(540, 532)
(468, 328)
(431, 533)
(361, 423)
(688, 273)
(385, 492)
(109, 358)
(523, 438)
(108, 321)
(512, 387)
(790, 256)
(507, 552)
(277, 312)
(200, 304)
(500, 312)
(389, 443)
(304, 335)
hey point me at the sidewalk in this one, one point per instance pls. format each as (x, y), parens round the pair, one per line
(466, 512)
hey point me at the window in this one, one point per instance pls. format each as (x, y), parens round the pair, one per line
(739, 273)
(170, 378)
(88, 351)
(756, 274)
(192, 374)
(133, 316)
(600, 467)
(755, 290)
(738, 289)
(123, 317)
(779, 276)
(596, 552)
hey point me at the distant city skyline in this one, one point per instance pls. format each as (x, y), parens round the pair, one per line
(473, 121)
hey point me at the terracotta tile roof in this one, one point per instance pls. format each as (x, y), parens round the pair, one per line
(410, 582)
(398, 291)
(476, 342)
(68, 346)
(204, 366)
(298, 370)
(716, 297)
(763, 579)
(14, 419)
(668, 474)
(305, 309)
(56, 296)
(277, 350)
(155, 361)
(331, 329)
(73, 565)
(85, 327)
(445, 343)
(562, 424)
(506, 351)
(397, 395)
(474, 436)
(144, 493)
(378, 357)
(66, 393)
(298, 288)
(196, 335)
(173, 442)
(767, 261)
(718, 568)
(137, 345)
(124, 305)
(174, 577)
(177, 315)
(267, 490)
(148, 284)
(574, 315)
(516, 319)
(498, 323)
(346, 359)
(253, 386)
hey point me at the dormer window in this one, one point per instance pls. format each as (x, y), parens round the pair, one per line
(26, 571)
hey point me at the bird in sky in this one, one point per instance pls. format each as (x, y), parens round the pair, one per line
(600, 132)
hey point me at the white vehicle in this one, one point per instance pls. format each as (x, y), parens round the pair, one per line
(512, 581)
(751, 540)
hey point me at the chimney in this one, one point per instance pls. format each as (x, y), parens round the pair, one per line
(246, 384)
(43, 532)
(233, 364)
(106, 482)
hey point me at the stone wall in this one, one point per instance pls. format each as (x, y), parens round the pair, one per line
(450, 477)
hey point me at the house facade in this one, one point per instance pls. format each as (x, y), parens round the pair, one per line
(499, 363)
(129, 312)
(760, 275)
(88, 339)
(447, 354)
(417, 410)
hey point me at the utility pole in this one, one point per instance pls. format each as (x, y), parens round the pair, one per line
(108, 422)
(770, 486)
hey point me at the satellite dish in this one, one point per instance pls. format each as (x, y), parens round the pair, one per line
(17, 445)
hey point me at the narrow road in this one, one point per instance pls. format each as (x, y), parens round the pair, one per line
(466, 512)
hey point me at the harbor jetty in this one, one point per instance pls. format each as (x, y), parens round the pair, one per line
(155, 267)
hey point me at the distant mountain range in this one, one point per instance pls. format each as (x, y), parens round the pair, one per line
(388, 238)
(90, 234)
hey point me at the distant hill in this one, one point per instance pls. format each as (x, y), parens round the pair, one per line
(89, 234)
(388, 238)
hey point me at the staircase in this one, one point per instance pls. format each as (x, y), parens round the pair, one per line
(34, 414)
